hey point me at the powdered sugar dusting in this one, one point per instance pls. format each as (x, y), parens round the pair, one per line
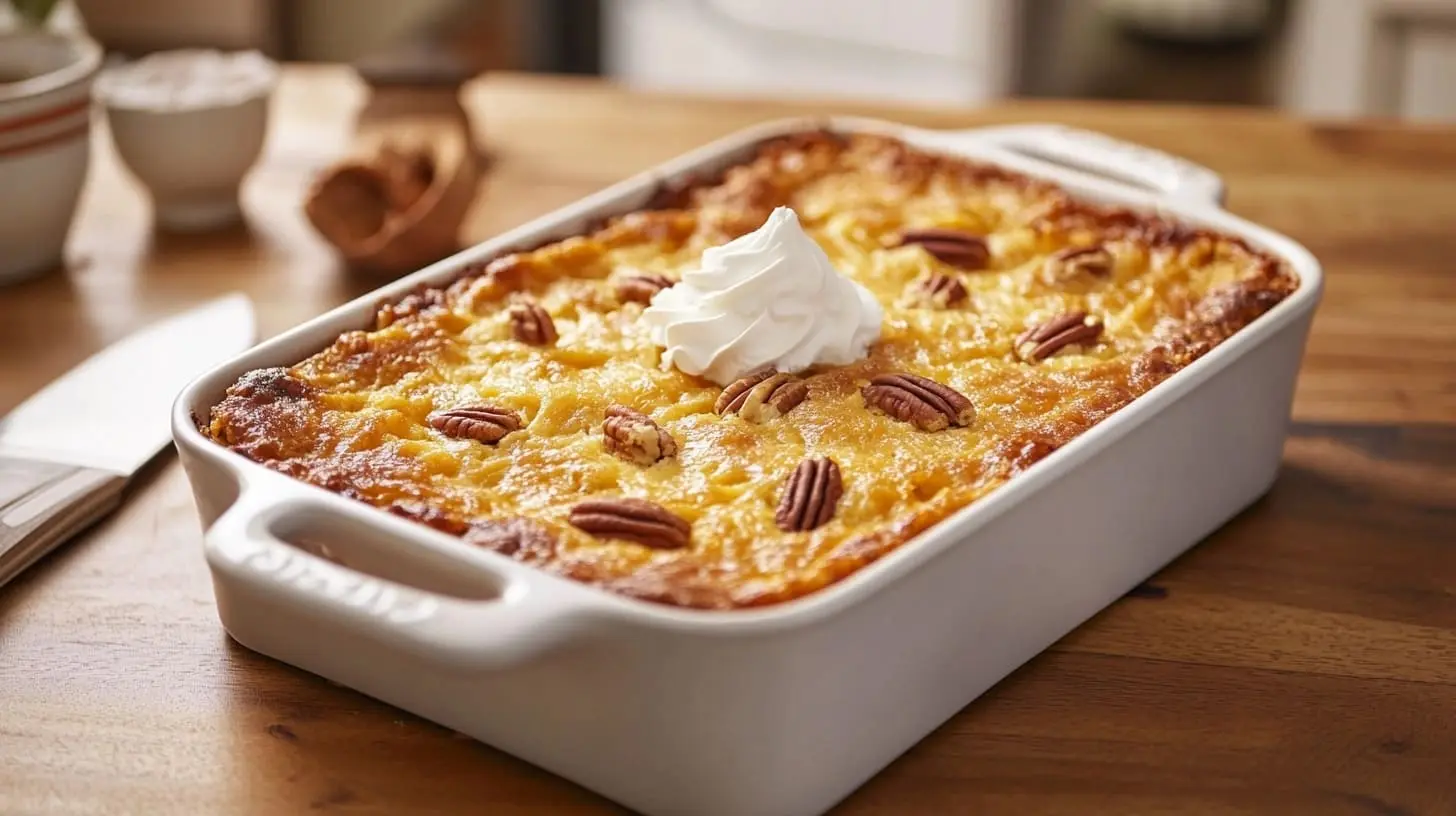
(187, 79)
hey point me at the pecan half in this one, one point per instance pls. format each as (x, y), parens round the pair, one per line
(1092, 260)
(483, 423)
(639, 288)
(633, 436)
(811, 495)
(951, 246)
(635, 520)
(1065, 330)
(532, 324)
(762, 395)
(922, 402)
(940, 291)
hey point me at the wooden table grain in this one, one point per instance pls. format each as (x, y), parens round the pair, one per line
(1300, 661)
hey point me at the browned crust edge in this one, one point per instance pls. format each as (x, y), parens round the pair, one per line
(1218, 316)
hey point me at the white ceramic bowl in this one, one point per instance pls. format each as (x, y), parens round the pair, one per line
(45, 145)
(190, 125)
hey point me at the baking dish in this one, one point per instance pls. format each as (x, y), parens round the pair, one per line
(785, 709)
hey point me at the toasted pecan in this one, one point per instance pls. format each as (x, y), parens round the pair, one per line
(762, 395)
(634, 520)
(939, 291)
(641, 287)
(1095, 261)
(532, 324)
(920, 401)
(634, 436)
(483, 423)
(1063, 331)
(811, 495)
(950, 246)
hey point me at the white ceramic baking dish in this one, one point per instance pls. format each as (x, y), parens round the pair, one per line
(784, 710)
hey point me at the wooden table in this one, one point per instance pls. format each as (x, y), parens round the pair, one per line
(1303, 660)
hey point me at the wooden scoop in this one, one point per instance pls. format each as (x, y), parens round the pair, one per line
(397, 204)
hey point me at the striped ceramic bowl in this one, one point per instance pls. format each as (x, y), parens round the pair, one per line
(45, 145)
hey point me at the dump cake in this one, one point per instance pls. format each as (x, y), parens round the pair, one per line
(573, 406)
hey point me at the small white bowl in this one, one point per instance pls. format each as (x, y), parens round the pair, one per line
(190, 124)
(45, 145)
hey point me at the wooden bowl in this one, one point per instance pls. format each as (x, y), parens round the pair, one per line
(398, 203)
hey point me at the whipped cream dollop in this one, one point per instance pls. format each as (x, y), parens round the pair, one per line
(768, 298)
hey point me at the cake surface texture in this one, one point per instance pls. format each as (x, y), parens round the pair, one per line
(524, 406)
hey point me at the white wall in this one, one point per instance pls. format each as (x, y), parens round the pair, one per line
(955, 51)
(1352, 58)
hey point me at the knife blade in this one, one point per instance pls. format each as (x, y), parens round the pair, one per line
(67, 452)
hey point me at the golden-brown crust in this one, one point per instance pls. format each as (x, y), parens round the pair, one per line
(353, 418)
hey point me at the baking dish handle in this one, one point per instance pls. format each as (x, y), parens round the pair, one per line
(1109, 158)
(515, 619)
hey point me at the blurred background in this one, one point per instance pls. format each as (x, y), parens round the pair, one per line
(1328, 58)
